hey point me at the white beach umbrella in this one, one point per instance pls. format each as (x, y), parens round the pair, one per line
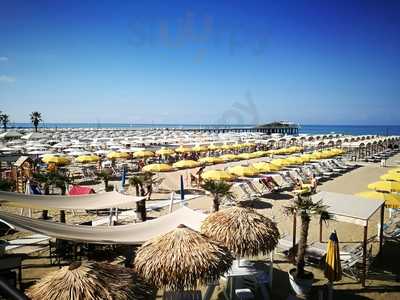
(10, 134)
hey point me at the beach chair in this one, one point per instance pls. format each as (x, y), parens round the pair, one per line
(303, 177)
(351, 263)
(252, 188)
(332, 168)
(249, 193)
(326, 170)
(182, 295)
(320, 173)
(261, 187)
(342, 164)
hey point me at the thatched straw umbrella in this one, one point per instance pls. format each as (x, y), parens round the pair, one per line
(90, 280)
(242, 230)
(181, 258)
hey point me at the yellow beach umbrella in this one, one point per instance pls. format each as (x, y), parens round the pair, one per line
(219, 175)
(280, 162)
(266, 167)
(199, 148)
(333, 268)
(183, 149)
(227, 147)
(245, 156)
(243, 171)
(143, 154)
(394, 171)
(294, 160)
(391, 200)
(117, 155)
(391, 177)
(385, 186)
(165, 151)
(228, 157)
(87, 158)
(211, 160)
(157, 168)
(213, 147)
(307, 157)
(186, 164)
(258, 154)
(57, 160)
(317, 155)
(248, 144)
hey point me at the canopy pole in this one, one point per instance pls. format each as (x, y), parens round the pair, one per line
(110, 219)
(364, 266)
(320, 230)
(294, 236)
(271, 268)
(381, 228)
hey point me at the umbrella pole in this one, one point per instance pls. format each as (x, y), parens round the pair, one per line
(271, 268)
(171, 203)
(294, 236)
(110, 219)
(330, 290)
(381, 228)
(364, 261)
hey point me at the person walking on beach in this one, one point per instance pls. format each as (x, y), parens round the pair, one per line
(314, 183)
(383, 162)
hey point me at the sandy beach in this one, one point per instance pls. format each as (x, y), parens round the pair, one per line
(273, 207)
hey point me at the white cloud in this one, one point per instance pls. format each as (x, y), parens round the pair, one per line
(7, 79)
(3, 58)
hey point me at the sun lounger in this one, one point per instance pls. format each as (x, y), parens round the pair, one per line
(182, 295)
(28, 244)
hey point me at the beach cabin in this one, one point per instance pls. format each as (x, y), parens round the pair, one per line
(21, 172)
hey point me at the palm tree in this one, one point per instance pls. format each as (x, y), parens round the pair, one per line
(43, 179)
(148, 183)
(138, 182)
(304, 207)
(59, 180)
(36, 118)
(4, 119)
(105, 176)
(219, 190)
(52, 179)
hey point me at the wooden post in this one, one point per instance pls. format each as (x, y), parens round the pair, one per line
(381, 228)
(294, 229)
(294, 238)
(320, 230)
(364, 264)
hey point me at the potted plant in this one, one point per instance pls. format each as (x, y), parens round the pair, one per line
(304, 207)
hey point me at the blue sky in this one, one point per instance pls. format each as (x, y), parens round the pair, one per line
(312, 62)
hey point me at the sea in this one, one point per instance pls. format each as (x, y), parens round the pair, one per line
(304, 129)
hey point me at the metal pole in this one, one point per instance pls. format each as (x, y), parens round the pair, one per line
(381, 228)
(364, 266)
(320, 230)
(294, 236)
(271, 268)
(11, 291)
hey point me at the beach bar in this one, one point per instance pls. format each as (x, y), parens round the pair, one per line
(355, 210)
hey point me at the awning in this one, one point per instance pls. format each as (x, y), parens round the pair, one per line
(93, 201)
(349, 208)
(80, 190)
(135, 233)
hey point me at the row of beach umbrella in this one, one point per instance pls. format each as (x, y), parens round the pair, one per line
(387, 189)
(260, 167)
